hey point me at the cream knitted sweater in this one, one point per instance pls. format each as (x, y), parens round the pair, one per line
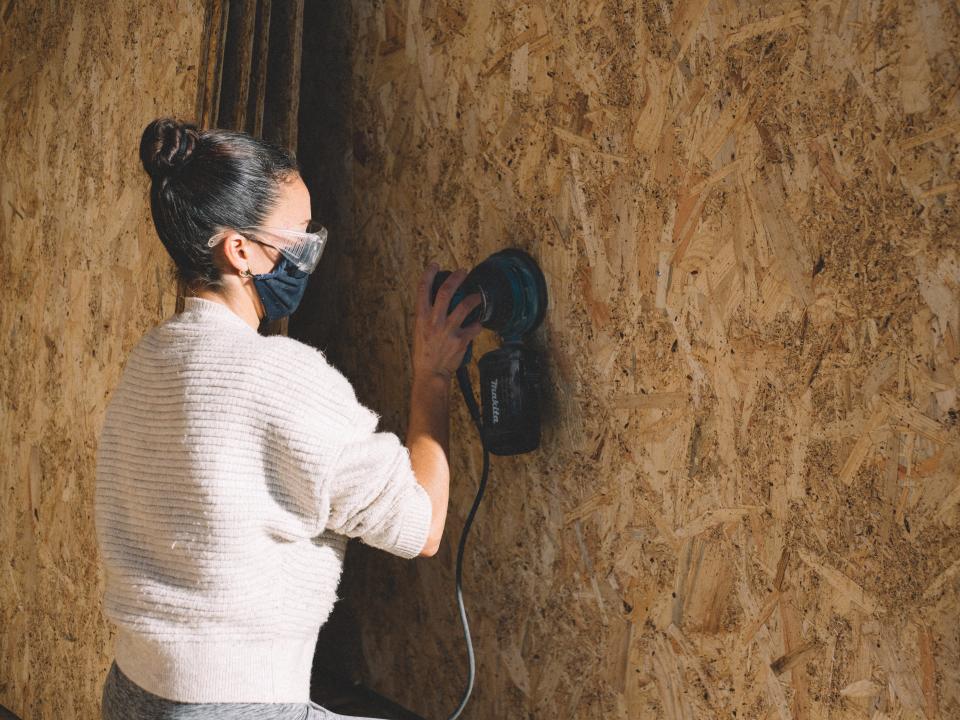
(232, 468)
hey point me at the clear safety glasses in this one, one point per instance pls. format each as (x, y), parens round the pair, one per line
(303, 249)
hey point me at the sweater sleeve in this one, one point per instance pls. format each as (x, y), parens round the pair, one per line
(339, 473)
(375, 496)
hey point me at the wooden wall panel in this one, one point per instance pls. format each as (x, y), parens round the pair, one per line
(82, 277)
(747, 503)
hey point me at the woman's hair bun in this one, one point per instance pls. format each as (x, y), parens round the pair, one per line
(166, 146)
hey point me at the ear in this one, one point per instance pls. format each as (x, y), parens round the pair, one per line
(236, 251)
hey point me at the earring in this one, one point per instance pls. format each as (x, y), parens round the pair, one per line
(246, 273)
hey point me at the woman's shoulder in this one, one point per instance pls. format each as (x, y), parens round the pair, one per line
(288, 351)
(307, 374)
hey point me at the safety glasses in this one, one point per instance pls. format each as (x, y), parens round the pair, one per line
(303, 249)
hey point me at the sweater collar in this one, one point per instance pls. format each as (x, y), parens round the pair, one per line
(214, 311)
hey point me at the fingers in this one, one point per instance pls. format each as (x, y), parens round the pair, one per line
(442, 302)
(463, 308)
(470, 332)
(423, 289)
(439, 340)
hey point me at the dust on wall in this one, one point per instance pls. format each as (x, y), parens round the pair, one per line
(747, 501)
(82, 276)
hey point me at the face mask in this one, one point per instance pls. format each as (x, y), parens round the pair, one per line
(281, 289)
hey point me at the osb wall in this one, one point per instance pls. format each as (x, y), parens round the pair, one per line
(747, 502)
(82, 276)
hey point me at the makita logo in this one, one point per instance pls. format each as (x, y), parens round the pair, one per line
(494, 405)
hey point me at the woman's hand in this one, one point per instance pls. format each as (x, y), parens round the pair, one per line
(439, 342)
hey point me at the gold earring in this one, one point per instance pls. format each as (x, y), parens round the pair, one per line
(246, 273)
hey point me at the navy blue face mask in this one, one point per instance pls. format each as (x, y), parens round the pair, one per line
(281, 289)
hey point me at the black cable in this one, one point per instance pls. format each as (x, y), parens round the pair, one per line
(463, 378)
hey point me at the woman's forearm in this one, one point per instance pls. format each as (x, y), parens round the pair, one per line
(428, 443)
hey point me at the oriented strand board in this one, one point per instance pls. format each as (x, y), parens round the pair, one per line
(82, 276)
(747, 502)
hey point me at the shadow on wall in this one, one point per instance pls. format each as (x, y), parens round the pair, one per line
(7, 715)
(323, 152)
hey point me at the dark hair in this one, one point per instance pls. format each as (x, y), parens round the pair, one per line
(204, 181)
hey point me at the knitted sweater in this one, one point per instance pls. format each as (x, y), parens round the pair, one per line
(231, 470)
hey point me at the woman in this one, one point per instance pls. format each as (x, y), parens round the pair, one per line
(233, 467)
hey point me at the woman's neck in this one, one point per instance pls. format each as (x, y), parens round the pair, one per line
(238, 301)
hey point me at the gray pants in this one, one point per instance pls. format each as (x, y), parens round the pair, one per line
(123, 699)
